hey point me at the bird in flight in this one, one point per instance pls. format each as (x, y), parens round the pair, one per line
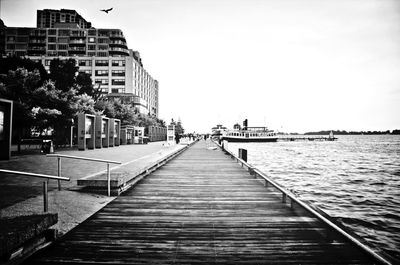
(107, 10)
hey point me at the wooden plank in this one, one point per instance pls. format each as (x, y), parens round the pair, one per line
(200, 208)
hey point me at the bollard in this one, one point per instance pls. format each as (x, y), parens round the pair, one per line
(45, 197)
(108, 180)
(59, 171)
(243, 154)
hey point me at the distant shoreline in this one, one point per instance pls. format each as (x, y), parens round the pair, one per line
(338, 132)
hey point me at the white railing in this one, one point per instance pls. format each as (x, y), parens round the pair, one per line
(45, 183)
(59, 157)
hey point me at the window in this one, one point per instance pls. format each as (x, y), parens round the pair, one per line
(63, 46)
(63, 32)
(51, 39)
(118, 73)
(85, 63)
(10, 38)
(21, 46)
(118, 82)
(22, 39)
(101, 72)
(63, 40)
(89, 72)
(101, 63)
(102, 47)
(102, 54)
(92, 39)
(52, 32)
(101, 81)
(92, 47)
(47, 62)
(51, 46)
(103, 40)
(51, 53)
(117, 90)
(118, 63)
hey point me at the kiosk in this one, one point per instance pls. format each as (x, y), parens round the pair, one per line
(102, 131)
(117, 132)
(171, 134)
(6, 113)
(86, 131)
(114, 136)
(138, 133)
(127, 134)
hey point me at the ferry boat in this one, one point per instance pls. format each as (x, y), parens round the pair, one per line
(249, 134)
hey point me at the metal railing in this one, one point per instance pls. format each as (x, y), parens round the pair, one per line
(87, 159)
(45, 183)
(293, 199)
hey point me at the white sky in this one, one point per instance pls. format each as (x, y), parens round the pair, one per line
(293, 65)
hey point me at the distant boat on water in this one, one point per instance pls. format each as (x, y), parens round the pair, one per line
(331, 137)
(249, 134)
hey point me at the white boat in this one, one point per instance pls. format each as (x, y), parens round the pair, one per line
(250, 134)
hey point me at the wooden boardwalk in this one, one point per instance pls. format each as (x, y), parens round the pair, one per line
(201, 207)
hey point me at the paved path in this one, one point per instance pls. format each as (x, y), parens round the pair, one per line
(15, 189)
(24, 196)
(200, 208)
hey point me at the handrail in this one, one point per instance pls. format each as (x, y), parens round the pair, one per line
(87, 159)
(29, 174)
(45, 184)
(305, 206)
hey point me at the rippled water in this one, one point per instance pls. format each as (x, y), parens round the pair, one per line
(355, 179)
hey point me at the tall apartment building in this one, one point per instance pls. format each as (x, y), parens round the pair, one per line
(48, 18)
(101, 53)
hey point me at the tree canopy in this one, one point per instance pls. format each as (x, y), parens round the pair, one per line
(55, 102)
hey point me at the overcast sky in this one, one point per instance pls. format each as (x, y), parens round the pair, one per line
(293, 65)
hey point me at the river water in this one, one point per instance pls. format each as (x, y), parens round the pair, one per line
(356, 180)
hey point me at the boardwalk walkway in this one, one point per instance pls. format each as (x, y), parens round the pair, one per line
(201, 207)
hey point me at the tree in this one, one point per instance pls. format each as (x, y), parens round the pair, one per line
(18, 86)
(105, 107)
(179, 128)
(84, 84)
(63, 72)
(13, 63)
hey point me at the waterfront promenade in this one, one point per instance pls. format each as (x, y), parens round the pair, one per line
(200, 208)
(24, 196)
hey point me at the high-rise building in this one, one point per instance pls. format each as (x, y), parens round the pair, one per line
(101, 53)
(49, 18)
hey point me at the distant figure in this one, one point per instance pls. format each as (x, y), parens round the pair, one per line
(106, 10)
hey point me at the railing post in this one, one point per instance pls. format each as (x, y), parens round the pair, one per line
(59, 171)
(243, 154)
(108, 180)
(45, 196)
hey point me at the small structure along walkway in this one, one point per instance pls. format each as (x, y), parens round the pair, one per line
(200, 208)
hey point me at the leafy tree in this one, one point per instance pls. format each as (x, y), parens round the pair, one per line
(105, 107)
(18, 86)
(63, 72)
(13, 63)
(84, 84)
(125, 112)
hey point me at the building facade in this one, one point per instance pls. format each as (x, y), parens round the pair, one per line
(101, 53)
